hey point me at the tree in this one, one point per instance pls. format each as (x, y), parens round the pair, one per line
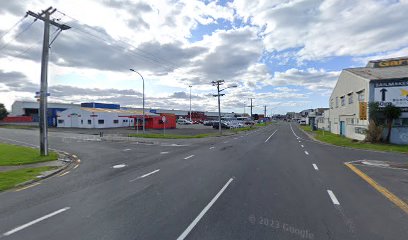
(391, 112)
(374, 112)
(3, 111)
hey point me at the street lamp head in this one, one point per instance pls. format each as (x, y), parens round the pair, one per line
(131, 69)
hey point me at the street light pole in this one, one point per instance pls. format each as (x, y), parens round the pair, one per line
(190, 101)
(144, 131)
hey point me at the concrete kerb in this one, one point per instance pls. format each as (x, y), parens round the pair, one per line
(65, 157)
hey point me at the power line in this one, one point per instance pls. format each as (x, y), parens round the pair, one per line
(14, 25)
(19, 34)
(145, 54)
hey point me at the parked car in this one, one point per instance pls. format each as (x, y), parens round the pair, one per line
(208, 123)
(302, 122)
(183, 122)
(223, 125)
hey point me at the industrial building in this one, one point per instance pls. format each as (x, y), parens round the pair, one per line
(384, 81)
(27, 111)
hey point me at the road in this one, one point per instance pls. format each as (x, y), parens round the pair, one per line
(272, 183)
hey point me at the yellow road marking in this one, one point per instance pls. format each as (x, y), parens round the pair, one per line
(23, 188)
(397, 201)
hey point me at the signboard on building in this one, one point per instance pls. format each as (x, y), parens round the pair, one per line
(363, 110)
(391, 63)
(391, 92)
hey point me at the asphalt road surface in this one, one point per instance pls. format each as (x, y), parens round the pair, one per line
(271, 183)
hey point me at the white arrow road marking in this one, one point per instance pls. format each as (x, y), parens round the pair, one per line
(35, 221)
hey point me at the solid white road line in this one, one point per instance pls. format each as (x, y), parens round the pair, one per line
(294, 132)
(212, 147)
(189, 157)
(333, 197)
(65, 173)
(29, 186)
(145, 175)
(164, 152)
(271, 135)
(302, 146)
(306, 153)
(35, 221)
(202, 213)
(76, 166)
(315, 167)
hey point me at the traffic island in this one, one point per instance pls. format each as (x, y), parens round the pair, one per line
(20, 166)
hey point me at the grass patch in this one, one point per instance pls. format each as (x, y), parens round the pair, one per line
(10, 179)
(18, 155)
(171, 136)
(263, 124)
(338, 140)
(18, 126)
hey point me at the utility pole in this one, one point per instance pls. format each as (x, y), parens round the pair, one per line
(45, 17)
(265, 111)
(190, 101)
(218, 83)
(251, 106)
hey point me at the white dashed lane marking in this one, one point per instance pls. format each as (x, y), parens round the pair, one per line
(306, 152)
(315, 167)
(333, 197)
(189, 157)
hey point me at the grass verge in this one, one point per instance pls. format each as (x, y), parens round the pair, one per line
(10, 179)
(18, 126)
(18, 155)
(338, 140)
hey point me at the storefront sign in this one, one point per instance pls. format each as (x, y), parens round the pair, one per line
(363, 110)
(391, 63)
(393, 92)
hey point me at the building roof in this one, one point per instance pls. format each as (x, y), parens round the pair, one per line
(380, 73)
(120, 111)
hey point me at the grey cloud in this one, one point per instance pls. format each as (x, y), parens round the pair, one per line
(17, 81)
(183, 95)
(13, 7)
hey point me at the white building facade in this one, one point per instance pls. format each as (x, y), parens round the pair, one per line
(384, 81)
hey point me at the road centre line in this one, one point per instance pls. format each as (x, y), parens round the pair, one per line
(211, 147)
(145, 175)
(164, 152)
(302, 146)
(315, 167)
(127, 149)
(271, 135)
(393, 198)
(203, 212)
(35, 221)
(189, 157)
(306, 152)
(333, 197)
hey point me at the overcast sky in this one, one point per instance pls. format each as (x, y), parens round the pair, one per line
(285, 54)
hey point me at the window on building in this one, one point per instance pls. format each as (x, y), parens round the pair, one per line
(82, 121)
(337, 102)
(89, 121)
(60, 121)
(115, 121)
(361, 96)
(125, 120)
(343, 101)
(331, 103)
(350, 98)
(101, 121)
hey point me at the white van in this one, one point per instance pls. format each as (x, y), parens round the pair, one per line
(183, 121)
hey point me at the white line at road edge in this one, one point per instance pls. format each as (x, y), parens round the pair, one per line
(145, 175)
(35, 221)
(189, 157)
(315, 167)
(306, 152)
(333, 197)
(202, 213)
(293, 131)
(271, 135)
